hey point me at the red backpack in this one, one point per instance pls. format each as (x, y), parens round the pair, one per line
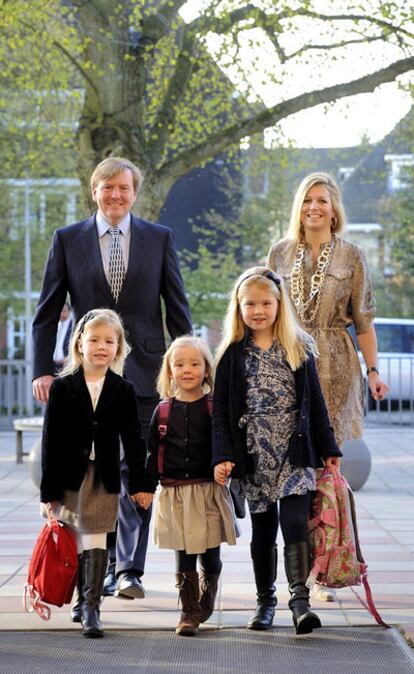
(52, 571)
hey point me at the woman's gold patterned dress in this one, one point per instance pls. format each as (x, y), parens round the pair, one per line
(347, 298)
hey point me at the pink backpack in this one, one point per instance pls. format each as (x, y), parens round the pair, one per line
(337, 560)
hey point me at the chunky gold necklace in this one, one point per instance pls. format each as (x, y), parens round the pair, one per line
(297, 287)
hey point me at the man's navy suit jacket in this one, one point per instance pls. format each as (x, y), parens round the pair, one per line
(74, 266)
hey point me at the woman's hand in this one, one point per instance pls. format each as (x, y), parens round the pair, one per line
(378, 388)
(222, 472)
(334, 461)
(143, 499)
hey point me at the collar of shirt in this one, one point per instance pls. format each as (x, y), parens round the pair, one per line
(103, 225)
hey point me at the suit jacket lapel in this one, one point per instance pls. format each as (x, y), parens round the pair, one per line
(137, 248)
(81, 393)
(106, 399)
(92, 252)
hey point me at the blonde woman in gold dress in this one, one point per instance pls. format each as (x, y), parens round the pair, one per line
(331, 289)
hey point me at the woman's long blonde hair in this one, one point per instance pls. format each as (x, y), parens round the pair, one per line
(92, 319)
(286, 330)
(165, 384)
(294, 231)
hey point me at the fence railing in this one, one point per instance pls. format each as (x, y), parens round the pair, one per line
(397, 408)
(15, 394)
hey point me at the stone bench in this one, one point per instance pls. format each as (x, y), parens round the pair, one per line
(22, 425)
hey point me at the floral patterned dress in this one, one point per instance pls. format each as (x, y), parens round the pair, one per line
(270, 420)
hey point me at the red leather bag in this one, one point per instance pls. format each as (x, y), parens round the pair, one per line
(53, 570)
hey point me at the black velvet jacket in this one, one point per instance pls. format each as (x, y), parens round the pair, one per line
(313, 439)
(71, 425)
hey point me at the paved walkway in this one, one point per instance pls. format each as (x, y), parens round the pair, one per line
(385, 509)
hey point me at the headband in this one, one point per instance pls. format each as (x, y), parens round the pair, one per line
(269, 274)
(87, 317)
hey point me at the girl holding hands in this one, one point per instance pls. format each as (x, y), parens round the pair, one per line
(90, 408)
(193, 514)
(271, 430)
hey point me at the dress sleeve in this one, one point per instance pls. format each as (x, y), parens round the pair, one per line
(362, 295)
(222, 446)
(51, 487)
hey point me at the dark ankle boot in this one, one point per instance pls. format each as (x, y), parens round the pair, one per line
(264, 567)
(76, 610)
(297, 565)
(189, 593)
(208, 593)
(94, 569)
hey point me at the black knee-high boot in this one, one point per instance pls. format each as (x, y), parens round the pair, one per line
(76, 610)
(94, 569)
(297, 565)
(264, 567)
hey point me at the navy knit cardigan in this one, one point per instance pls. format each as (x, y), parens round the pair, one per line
(313, 438)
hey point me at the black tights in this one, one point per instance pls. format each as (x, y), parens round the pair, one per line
(293, 518)
(210, 561)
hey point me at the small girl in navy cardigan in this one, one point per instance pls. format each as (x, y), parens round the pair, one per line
(193, 514)
(271, 430)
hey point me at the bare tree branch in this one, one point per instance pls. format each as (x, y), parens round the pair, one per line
(224, 24)
(231, 135)
(333, 45)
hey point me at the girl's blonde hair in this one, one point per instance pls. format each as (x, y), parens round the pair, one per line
(286, 329)
(92, 319)
(165, 385)
(295, 230)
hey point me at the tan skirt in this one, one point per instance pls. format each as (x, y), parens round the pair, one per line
(91, 510)
(194, 517)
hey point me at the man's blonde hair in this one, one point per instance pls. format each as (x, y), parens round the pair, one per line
(92, 319)
(165, 385)
(286, 329)
(111, 166)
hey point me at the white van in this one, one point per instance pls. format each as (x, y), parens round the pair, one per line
(395, 356)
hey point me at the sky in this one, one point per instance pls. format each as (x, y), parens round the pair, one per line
(345, 123)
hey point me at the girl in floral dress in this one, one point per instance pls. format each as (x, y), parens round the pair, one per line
(271, 430)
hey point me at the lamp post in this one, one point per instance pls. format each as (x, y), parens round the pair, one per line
(28, 300)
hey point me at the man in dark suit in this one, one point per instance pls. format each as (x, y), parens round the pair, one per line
(80, 263)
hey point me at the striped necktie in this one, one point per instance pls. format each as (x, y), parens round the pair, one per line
(116, 263)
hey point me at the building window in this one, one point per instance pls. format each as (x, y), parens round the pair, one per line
(397, 171)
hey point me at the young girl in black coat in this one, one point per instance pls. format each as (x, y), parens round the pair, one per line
(90, 408)
(271, 430)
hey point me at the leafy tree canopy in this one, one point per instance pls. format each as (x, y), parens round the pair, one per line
(133, 78)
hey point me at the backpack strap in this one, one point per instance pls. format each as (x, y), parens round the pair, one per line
(209, 402)
(164, 410)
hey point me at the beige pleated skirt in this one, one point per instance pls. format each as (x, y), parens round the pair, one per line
(91, 510)
(194, 517)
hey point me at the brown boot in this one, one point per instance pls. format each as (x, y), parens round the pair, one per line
(189, 594)
(208, 593)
